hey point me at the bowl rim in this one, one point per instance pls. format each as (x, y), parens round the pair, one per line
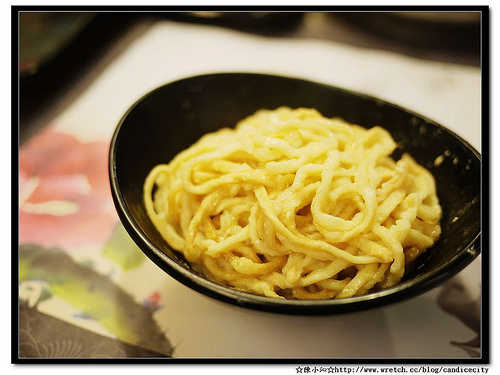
(405, 290)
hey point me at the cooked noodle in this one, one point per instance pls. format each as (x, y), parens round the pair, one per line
(291, 204)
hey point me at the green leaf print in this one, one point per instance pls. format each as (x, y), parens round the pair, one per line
(95, 295)
(122, 250)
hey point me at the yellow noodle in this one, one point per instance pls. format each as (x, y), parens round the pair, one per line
(290, 204)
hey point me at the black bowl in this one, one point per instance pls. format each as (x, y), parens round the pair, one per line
(172, 117)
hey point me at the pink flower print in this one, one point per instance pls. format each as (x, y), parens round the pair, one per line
(65, 199)
(153, 302)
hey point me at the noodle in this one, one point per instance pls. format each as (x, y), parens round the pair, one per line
(291, 204)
